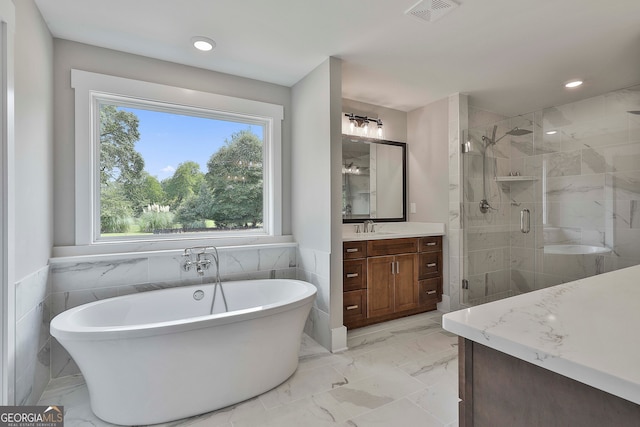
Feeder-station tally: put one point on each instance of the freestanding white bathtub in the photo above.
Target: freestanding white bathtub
(159, 356)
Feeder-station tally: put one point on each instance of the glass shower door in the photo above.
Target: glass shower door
(501, 224)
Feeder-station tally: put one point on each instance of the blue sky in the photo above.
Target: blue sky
(166, 139)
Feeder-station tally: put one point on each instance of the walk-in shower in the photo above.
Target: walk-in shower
(551, 196)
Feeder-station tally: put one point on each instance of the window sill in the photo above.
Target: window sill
(162, 246)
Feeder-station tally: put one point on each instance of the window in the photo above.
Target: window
(157, 163)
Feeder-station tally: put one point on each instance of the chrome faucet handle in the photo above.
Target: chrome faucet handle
(373, 227)
(187, 263)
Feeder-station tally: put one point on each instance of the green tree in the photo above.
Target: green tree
(119, 161)
(116, 210)
(195, 210)
(184, 183)
(235, 177)
(121, 168)
(151, 191)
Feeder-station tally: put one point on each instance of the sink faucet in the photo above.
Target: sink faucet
(368, 223)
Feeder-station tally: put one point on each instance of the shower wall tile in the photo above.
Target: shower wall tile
(595, 133)
(574, 112)
(587, 214)
(487, 284)
(523, 258)
(487, 260)
(625, 244)
(616, 158)
(523, 281)
(499, 215)
(573, 267)
(575, 188)
(479, 238)
(562, 235)
(623, 185)
(479, 117)
(562, 164)
(593, 237)
(521, 146)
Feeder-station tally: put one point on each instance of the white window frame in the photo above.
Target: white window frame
(92, 88)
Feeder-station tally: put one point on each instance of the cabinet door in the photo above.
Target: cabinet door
(406, 285)
(380, 286)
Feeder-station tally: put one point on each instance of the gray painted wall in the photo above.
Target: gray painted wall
(70, 55)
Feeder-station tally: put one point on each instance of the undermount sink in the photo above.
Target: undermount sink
(575, 250)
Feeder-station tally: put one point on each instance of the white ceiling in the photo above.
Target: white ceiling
(510, 56)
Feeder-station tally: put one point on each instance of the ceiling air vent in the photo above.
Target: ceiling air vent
(431, 10)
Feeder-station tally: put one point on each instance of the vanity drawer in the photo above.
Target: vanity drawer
(354, 275)
(430, 244)
(354, 305)
(430, 291)
(354, 250)
(430, 265)
(392, 246)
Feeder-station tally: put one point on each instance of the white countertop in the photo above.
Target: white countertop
(393, 230)
(587, 330)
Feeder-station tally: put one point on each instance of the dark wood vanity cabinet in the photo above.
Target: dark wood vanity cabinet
(390, 278)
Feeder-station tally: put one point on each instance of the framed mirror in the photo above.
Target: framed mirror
(374, 180)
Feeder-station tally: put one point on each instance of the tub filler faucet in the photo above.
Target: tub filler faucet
(199, 258)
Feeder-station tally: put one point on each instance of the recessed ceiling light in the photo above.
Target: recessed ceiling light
(551, 132)
(203, 44)
(573, 83)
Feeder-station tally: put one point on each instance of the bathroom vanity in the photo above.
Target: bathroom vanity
(564, 355)
(387, 275)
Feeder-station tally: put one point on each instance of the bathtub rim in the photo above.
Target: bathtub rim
(62, 328)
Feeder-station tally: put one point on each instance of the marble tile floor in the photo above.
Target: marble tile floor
(399, 373)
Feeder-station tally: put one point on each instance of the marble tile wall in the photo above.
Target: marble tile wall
(591, 173)
(585, 191)
(32, 339)
(487, 236)
(453, 244)
(314, 267)
(79, 280)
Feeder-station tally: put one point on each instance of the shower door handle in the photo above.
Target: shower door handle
(525, 221)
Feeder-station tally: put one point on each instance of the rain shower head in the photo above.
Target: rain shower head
(516, 131)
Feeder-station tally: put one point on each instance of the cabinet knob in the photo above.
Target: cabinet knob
(353, 307)
(351, 250)
(351, 275)
(431, 264)
(431, 292)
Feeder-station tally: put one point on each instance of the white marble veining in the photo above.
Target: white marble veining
(394, 230)
(584, 330)
(402, 372)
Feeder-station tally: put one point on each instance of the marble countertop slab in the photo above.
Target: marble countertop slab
(587, 330)
(393, 230)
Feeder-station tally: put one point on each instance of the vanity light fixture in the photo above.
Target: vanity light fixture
(573, 83)
(362, 122)
(551, 132)
(203, 44)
